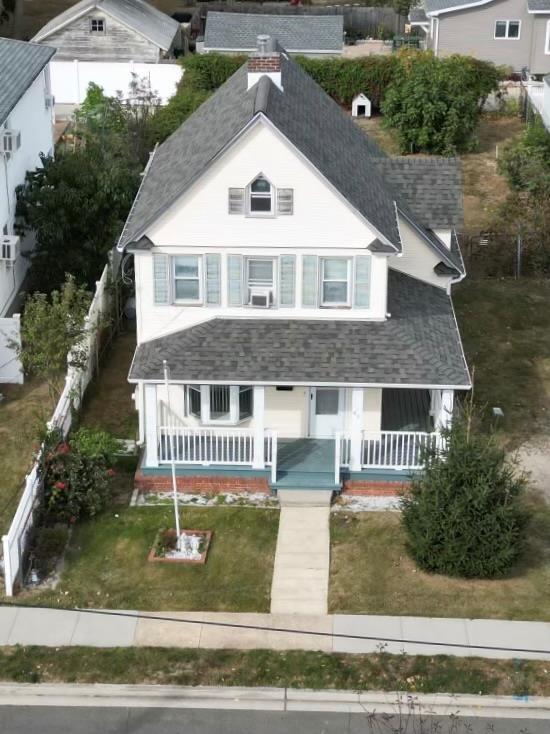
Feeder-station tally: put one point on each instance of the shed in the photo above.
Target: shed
(361, 106)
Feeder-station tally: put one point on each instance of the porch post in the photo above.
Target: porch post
(357, 394)
(259, 427)
(151, 430)
(442, 408)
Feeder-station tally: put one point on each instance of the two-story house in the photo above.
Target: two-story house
(511, 33)
(26, 130)
(296, 282)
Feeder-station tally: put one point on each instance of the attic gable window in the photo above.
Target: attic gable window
(97, 25)
(260, 196)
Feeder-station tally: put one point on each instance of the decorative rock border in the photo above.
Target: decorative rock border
(206, 534)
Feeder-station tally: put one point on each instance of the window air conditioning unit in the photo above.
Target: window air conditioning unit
(10, 141)
(9, 249)
(260, 297)
(49, 101)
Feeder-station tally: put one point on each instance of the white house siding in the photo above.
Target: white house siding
(472, 31)
(199, 222)
(35, 124)
(118, 43)
(417, 259)
(540, 60)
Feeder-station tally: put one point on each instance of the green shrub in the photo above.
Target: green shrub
(207, 72)
(48, 546)
(167, 119)
(94, 443)
(464, 516)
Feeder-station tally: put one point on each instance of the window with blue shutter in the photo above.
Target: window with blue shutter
(287, 280)
(235, 280)
(309, 280)
(161, 284)
(361, 297)
(213, 280)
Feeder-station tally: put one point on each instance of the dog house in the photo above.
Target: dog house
(361, 106)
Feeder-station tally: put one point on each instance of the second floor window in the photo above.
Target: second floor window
(260, 196)
(507, 29)
(259, 272)
(335, 281)
(187, 279)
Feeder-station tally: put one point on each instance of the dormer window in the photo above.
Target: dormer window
(97, 25)
(260, 196)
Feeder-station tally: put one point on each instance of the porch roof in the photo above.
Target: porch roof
(418, 345)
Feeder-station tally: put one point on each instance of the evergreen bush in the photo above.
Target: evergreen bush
(464, 515)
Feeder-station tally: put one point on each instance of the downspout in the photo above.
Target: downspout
(436, 51)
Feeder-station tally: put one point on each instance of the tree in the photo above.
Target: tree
(52, 334)
(76, 204)
(464, 515)
(434, 104)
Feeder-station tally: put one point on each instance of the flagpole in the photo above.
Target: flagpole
(172, 453)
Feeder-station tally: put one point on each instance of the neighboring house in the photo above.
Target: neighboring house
(26, 130)
(112, 30)
(539, 96)
(297, 283)
(309, 35)
(107, 42)
(514, 33)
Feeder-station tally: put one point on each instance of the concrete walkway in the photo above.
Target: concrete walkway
(302, 560)
(326, 633)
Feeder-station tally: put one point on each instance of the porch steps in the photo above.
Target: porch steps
(299, 497)
(302, 557)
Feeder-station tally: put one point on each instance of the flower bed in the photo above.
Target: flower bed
(165, 548)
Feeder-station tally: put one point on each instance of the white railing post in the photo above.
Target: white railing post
(273, 457)
(259, 427)
(357, 394)
(337, 453)
(8, 574)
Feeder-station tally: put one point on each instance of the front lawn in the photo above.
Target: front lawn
(505, 327)
(371, 573)
(106, 565)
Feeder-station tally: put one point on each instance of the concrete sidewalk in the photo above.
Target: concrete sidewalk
(327, 633)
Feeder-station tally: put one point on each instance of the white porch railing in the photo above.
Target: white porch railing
(396, 449)
(210, 446)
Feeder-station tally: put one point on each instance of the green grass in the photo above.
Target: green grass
(371, 573)
(23, 411)
(271, 668)
(505, 327)
(108, 404)
(107, 566)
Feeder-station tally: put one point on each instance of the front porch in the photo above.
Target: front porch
(383, 437)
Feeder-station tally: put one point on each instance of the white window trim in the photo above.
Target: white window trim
(101, 20)
(234, 406)
(273, 198)
(333, 304)
(507, 37)
(188, 302)
(547, 39)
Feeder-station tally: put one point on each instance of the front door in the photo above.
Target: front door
(327, 412)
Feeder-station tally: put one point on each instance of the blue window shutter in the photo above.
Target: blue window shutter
(213, 280)
(361, 297)
(235, 280)
(309, 280)
(287, 280)
(161, 285)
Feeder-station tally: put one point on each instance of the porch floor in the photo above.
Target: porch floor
(305, 463)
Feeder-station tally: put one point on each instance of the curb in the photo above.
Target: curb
(271, 699)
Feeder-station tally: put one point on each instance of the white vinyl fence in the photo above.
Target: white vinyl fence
(15, 542)
(70, 79)
(10, 366)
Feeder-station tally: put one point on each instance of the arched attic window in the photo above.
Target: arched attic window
(261, 196)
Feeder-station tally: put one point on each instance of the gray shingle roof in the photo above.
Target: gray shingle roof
(418, 345)
(436, 6)
(239, 31)
(432, 188)
(328, 139)
(20, 64)
(417, 15)
(137, 14)
(538, 5)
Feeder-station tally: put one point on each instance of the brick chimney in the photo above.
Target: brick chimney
(265, 61)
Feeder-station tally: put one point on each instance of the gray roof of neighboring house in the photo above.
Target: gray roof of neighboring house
(20, 64)
(417, 15)
(418, 345)
(538, 5)
(239, 31)
(437, 6)
(137, 14)
(329, 139)
(432, 187)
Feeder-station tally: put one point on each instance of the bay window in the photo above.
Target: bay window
(335, 281)
(221, 404)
